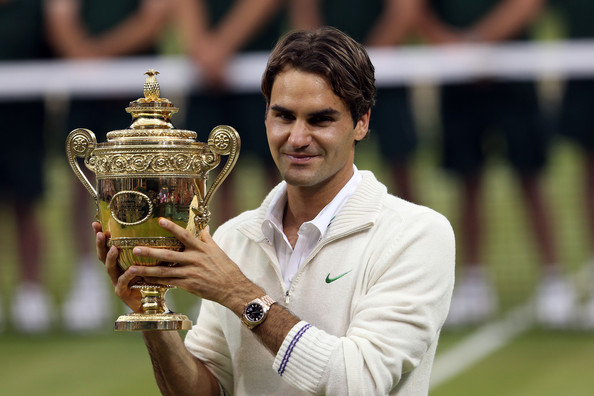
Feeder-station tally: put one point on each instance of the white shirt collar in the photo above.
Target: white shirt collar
(274, 214)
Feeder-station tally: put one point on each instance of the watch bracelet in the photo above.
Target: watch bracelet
(266, 299)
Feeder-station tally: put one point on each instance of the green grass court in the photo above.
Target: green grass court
(537, 362)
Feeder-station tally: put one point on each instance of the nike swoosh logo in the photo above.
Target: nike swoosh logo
(330, 280)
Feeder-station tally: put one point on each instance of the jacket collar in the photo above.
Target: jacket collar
(360, 211)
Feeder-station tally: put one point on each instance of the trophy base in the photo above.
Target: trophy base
(162, 321)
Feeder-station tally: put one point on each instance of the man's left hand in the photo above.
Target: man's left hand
(203, 269)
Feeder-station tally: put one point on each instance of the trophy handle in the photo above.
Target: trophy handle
(81, 143)
(223, 140)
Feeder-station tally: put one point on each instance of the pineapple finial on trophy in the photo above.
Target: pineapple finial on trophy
(151, 112)
(151, 85)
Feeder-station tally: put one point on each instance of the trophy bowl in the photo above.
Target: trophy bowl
(148, 171)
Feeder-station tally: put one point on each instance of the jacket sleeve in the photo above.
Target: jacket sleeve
(207, 342)
(396, 317)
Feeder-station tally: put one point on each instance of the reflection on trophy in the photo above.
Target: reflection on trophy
(148, 171)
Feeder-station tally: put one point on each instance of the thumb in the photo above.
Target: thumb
(205, 234)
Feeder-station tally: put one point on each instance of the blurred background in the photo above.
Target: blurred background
(485, 112)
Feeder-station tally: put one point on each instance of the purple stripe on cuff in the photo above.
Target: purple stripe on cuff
(294, 341)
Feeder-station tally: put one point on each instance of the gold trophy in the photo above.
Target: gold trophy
(148, 171)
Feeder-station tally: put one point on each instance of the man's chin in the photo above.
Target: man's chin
(296, 182)
(299, 179)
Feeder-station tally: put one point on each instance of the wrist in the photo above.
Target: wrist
(240, 296)
(256, 311)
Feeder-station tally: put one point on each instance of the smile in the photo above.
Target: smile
(299, 158)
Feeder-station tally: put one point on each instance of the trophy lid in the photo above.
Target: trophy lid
(151, 116)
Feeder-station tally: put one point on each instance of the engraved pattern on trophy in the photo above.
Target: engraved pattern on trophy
(148, 171)
(193, 161)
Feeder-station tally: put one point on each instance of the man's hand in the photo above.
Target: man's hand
(120, 279)
(177, 371)
(202, 269)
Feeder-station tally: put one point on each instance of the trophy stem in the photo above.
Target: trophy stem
(155, 314)
(153, 300)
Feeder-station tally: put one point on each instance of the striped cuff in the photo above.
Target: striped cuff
(304, 355)
(290, 348)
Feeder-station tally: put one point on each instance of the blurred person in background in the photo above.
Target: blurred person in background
(576, 118)
(470, 112)
(381, 24)
(97, 29)
(213, 32)
(21, 164)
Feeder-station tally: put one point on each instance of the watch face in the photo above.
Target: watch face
(254, 312)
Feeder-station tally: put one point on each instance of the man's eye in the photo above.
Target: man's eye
(285, 116)
(321, 120)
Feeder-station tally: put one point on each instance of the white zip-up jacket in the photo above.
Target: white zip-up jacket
(372, 297)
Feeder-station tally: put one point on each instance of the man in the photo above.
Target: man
(361, 279)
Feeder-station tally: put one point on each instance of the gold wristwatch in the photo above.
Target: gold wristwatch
(256, 310)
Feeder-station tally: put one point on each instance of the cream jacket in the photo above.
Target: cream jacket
(372, 298)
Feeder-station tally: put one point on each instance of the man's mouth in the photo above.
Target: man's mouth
(299, 158)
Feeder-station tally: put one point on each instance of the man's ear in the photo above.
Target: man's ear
(362, 126)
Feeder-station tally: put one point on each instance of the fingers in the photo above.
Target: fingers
(162, 255)
(123, 284)
(157, 274)
(101, 246)
(184, 236)
(111, 264)
(205, 235)
(96, 226)
(122, 281)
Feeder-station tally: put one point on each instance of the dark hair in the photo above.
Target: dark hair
(328, 52)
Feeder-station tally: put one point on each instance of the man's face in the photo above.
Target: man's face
(310, 131)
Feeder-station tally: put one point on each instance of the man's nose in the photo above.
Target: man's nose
(299, 135)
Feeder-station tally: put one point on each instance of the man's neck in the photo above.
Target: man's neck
(303, 205)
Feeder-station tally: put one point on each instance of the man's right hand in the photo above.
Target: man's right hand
(120, 279)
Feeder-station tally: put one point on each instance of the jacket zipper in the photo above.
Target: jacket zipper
(288, 292)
